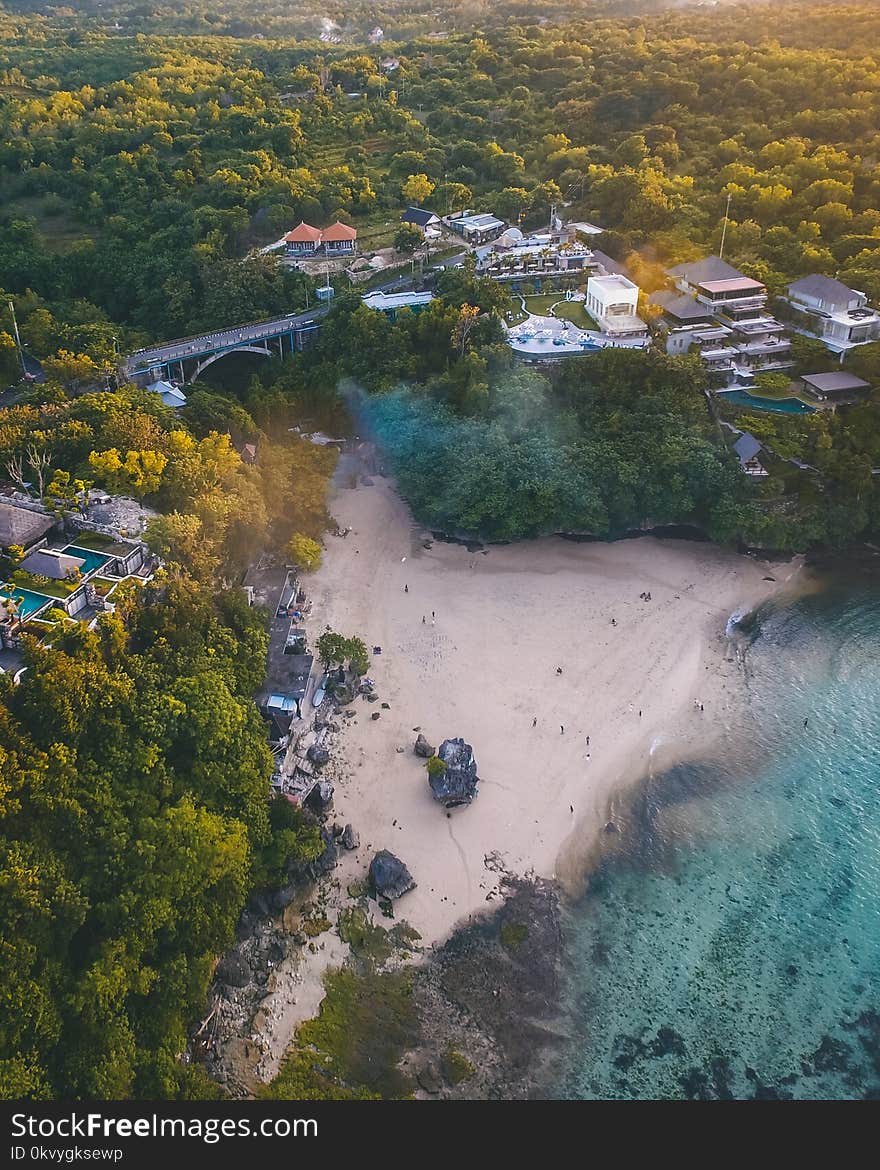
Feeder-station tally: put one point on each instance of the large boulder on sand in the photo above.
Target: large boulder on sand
(457, 783)
(423, 748)
(389, 877)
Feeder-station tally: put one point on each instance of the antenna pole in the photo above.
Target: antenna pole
(724, 228)
(17, 337)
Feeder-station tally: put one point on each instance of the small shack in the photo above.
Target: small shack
(747, 449)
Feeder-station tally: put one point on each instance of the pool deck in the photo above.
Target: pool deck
(554, 337)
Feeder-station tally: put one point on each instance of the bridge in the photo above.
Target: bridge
(186, 358)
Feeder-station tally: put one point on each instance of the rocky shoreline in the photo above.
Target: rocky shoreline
(487, 1003)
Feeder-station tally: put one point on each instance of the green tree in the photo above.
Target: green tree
(303, 552)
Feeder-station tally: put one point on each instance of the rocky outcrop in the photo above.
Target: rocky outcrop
(234, 971)
(389, 877)
(328, 860)
(319, 756)
(455, 784)
(350, 838)
(423, 748)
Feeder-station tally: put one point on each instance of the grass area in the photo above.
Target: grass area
(366, 1022)
(575, 312)
(49, 588)
(104, 586)
(539, 304)
(97, 542)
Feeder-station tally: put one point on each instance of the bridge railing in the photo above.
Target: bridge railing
(290, 320)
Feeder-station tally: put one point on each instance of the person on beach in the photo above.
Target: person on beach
(614, 621)
(806, 721)
(535, 721)
(571, 806)
(701, 708)
(588, 741)
(423, 619)
(559, 670)
(406, 588)
(561, 729)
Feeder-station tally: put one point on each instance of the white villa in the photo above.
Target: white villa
(613, 301)
(833, 312)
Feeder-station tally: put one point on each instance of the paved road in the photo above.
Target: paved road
(205, 343)
(189, 347)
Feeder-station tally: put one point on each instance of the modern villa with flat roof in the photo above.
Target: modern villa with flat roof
(839, 388)
(719, 313)
(392, 303)
(833, 312)
(475, 227)
(613, 301)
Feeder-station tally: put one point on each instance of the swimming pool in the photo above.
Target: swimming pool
(781, 405)
(30, 602)
(93, 560)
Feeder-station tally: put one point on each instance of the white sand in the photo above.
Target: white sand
(485, 667)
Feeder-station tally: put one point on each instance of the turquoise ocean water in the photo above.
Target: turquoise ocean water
(732, 949)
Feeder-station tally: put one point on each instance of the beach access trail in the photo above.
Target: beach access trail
(498, 623)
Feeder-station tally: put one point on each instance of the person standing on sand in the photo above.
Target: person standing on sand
(806, 721)
(561, 729)
(406, 588)
(423, 619)
(535, 721)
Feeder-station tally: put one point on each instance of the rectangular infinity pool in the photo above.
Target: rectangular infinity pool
(30, 602)
(781, 405)
(93, 560)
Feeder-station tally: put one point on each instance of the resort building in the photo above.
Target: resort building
(391, 303)
(474, 227)
(832, 390)
(720, 314)
(305, 241)
(78, 577)
(833, 312)
(612, 301)
(514, 256)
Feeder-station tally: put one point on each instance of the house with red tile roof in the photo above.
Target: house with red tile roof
(337, 240)
(304, 240)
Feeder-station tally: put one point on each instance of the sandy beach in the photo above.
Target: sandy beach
(471, 643)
